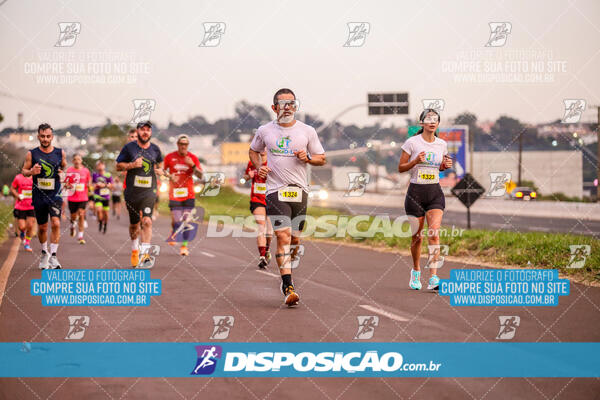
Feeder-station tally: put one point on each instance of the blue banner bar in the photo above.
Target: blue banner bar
(367, 359)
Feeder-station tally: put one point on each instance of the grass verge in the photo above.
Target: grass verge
(518, 249)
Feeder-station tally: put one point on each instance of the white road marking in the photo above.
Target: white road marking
(268, 273)
(383, 312)
(367, 307)
(208, 254)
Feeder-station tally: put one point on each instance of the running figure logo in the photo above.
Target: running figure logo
(77, 326)
(186, 225)
(434, 104)
(68, 33)
(296, 251)
(213, 31)
(223, 325)
(357, 184)
(508, 327)
(153, 251)
(436, 255)
(357, 33)
(207, 359)
(499, 32)
(212, 183)
(579, 254)
(498, 183)
(574, 108)
(366, 326)
(142, 110)
(70, 179)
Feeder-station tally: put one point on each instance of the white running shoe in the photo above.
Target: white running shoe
(53, 262)
(44, 261)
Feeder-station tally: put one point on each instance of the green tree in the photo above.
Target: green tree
(505, 133)
(111, 137)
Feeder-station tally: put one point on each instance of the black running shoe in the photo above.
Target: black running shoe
(291, 297)
(262, 264)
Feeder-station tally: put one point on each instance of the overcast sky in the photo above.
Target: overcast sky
(425, 48)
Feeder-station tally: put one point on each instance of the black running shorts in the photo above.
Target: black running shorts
(51, 208)
(422, 198)
(23, 214)
(74, 206)
(139, 205)
(284, 214)
(254, 205)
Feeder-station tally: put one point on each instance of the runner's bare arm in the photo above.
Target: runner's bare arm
(14, 192)
(404, 164)
(63, 162)
(317, 159)
(29, 169)
(255, 158)
(158, 168)
(125, 166)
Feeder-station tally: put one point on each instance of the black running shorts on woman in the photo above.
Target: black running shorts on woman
(422, 198)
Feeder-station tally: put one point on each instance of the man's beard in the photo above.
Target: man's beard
(285, 119)
(44, 146)
(144, 141)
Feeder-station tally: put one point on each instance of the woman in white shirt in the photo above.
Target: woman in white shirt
(425, 155)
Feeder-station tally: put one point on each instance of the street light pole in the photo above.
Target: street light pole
(520, 154)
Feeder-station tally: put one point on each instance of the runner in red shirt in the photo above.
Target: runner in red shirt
(258, 207)
(21, 190)
(180, 166)
(79, 177)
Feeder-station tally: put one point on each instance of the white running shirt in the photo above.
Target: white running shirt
(434, 155)
(280, 143)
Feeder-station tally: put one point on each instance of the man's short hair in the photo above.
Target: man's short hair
(282, 91)
(131, 130)
(44, 126)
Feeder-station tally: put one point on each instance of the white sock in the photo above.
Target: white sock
(135, 244)
(80, 235)
(45, 247)
(144, 247)
(53, 248)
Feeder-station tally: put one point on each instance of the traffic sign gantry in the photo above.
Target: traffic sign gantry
(387, 103)
(468, 190)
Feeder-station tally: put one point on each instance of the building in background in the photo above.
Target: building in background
(234, 153)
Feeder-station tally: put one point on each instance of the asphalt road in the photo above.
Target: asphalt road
(336, 283)
(513, 223)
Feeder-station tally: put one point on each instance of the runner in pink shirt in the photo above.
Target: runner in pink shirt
(80, 178)
(21, 190)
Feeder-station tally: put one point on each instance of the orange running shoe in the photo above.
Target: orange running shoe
(135, 258)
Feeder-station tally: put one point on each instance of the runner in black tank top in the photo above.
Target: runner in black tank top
(45, 163)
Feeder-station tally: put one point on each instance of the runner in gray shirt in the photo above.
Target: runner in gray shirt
(290, 145)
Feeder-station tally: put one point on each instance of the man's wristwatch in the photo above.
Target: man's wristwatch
(308, 156)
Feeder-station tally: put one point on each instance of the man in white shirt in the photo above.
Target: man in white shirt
(290, 145)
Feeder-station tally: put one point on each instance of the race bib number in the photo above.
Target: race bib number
(26, 194)
(143, 181)
(260, 188)
(46, 183)
(290, 194)
(104, 192)
(80, 187)
(428, 175)
(180, 192)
